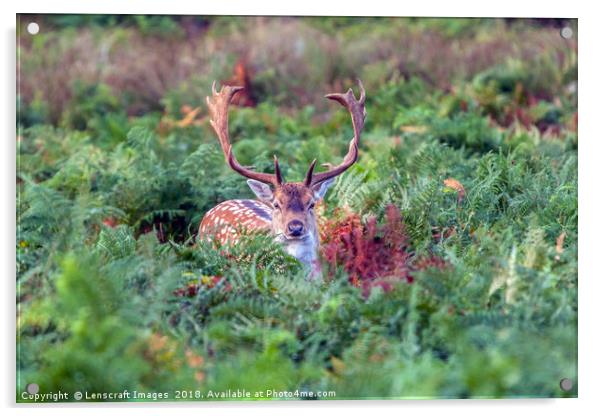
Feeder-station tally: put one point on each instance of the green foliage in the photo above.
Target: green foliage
(116, 242)
(114, 292)
(101, 347)
(89, 102)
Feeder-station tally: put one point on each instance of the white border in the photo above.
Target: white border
(507, 8)
(590, 175)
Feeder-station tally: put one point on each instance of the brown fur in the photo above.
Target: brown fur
(226, 221)
(294, 201)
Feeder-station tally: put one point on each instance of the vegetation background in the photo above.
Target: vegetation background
(449, 249)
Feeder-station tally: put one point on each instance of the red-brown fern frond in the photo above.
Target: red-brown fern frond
(372, 255)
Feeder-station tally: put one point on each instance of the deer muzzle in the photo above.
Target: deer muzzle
(295, 228)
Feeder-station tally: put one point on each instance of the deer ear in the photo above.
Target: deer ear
(321, 188)
(261, 190)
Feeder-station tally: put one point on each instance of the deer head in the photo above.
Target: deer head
(292, 203)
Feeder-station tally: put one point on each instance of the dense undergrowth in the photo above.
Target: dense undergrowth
(449, 249)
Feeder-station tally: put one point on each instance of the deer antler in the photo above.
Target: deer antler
(358, 115)
(218, 105)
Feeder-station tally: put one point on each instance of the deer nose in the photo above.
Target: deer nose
(295, 228)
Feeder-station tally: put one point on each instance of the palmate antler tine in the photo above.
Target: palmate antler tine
(218, 105)
(358, 115)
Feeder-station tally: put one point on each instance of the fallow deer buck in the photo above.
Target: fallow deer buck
(286, 210)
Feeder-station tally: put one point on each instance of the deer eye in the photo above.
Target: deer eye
(312, 205)
(276, 205)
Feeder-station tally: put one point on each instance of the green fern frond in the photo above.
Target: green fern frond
(118, 242)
